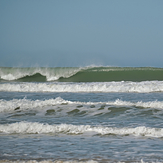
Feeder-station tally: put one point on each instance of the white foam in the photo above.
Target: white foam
(68, 161)
(40, 128)
(47, 161)
(28, 104)
(50, 73)
(23, 104)
(150, 104)
(140, 87)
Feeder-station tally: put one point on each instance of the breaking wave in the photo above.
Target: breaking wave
(80, 74)
(36, 74)
(88, 107)
(40, 128)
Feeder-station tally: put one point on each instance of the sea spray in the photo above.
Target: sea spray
(80, 74)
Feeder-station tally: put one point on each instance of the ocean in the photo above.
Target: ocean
(81, 114)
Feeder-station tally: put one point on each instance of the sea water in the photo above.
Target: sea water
(81, 114)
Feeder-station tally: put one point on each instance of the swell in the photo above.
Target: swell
(107, 74)
(41, 128)
(81, 74)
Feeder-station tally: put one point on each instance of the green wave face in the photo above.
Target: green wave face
(105, 74)
(87, 74)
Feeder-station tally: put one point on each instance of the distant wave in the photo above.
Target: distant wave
(87, 108)
(40, 128)
(81, 74)
(138, 87)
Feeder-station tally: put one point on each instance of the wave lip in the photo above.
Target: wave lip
(37, 73)
(40, 128)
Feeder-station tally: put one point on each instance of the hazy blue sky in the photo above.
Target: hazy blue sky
(81, 32)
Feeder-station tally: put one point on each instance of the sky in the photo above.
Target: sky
(68, 33)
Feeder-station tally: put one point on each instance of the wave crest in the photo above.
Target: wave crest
(139, 87)
(81, 74)
(40, 128)
(99, 107)
(27, 74)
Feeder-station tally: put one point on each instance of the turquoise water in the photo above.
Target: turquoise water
(104, 121)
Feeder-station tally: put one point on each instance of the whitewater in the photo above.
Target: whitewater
(140, 87)
(38, 128)
(81, 114)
